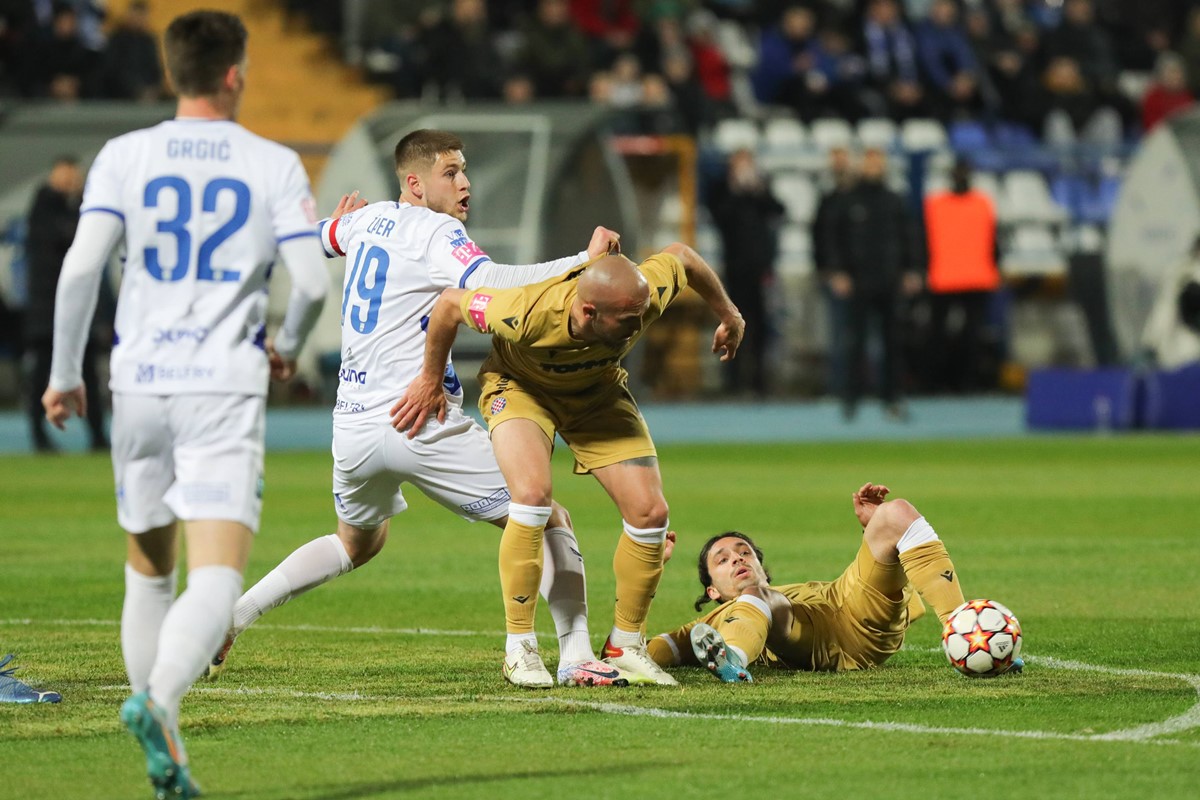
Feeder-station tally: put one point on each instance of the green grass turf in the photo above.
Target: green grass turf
(1092, 542)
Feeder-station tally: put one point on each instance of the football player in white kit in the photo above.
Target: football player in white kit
(204, 208)
(400, 255)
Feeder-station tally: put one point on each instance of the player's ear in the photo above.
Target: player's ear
(235, 77)
(412, 182)
(713, 594)
(589, 310)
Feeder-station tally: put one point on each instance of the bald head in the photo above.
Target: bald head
(611, 299)
(613, 282)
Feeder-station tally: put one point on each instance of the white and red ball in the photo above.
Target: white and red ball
(981, 638)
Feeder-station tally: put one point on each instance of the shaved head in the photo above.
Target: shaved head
(613, 282)
(611, 299)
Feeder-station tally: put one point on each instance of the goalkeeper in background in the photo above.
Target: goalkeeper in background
(857, 621)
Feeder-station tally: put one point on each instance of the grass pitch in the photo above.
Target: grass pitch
(387, 682)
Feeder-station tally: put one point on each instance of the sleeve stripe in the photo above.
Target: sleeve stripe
(299, 235)
(758, 603)
(106, 210)
(462, 282)
(332, 235)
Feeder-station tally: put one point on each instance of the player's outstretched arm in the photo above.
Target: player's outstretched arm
(74, 305)
(701, 277)
(425, 396)
(510, 276)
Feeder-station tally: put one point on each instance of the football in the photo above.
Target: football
(982, 638)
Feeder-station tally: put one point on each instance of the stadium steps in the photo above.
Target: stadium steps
(298, 90)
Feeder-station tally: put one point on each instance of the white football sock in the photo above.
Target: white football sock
(918, 533)
(192, 632)
(565, 589)
(148, 598)
(306, 568)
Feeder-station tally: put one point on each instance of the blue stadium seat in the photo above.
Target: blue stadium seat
(969, 136)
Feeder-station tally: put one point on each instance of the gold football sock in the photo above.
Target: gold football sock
(638, 567)
(932, 572)
(520, 573)
(744, 625)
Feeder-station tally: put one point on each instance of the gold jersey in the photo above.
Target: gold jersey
(531, 339)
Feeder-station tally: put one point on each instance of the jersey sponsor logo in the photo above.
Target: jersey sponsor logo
(348, 375)
(152, 373)
(498, 405)
(349, 408)
(478, 309)
(175, 335)
(562, 369)
(463, 249)
(482, 506)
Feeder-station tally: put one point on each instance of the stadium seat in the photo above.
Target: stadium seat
(830, 133)
(735, 134)
(1033, 250)
(969, 137)
(671, 210)
(784, 133)
(798, 195)
(1028, 199)
(877, 132)
(922, 134)
(734, 43)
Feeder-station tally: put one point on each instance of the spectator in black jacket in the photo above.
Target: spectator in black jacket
(747, 216)
(131, 67)
(52, 220)
(841, 178)
(872, 260)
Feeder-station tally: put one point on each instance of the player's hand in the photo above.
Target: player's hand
(603, 242)
(424, 397)
(349, 203)
(728, 337)
(668, 546)
(282, 369)
(867, 500)
(61, 405)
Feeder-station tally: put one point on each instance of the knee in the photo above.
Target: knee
(889, 523)
(531, 494)
(654, 513)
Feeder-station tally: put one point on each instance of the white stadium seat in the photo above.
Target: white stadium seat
(798, 195)
(735, 134)
(830, 133)
(784, 133)
(1033, 250)
(1027, 198)
(877, 132)
(922, 134)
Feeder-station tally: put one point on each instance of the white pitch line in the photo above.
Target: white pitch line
(268, 692)
(898, 727)
(373, 629)
(1188, 720)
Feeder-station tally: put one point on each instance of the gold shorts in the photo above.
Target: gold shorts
(861, 627)
(601, 426)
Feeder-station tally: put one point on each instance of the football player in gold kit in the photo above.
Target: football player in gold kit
(854, 622)
(555, 366)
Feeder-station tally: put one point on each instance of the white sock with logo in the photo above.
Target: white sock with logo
(306, 568)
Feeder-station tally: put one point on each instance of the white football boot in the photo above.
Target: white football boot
(636, 664)
(525, 669)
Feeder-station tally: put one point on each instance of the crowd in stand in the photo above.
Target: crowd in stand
(67, 51)
(1054, 66)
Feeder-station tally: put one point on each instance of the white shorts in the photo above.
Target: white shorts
(187, 456)
(452, 463)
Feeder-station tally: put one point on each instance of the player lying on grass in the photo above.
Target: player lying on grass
(857, 621)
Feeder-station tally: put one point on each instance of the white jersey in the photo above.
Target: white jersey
(399, 258)
(205, 205)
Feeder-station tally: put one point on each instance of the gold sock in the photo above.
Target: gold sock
(745, 627)
(638, 568)
(932, 572)
(520, 574)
